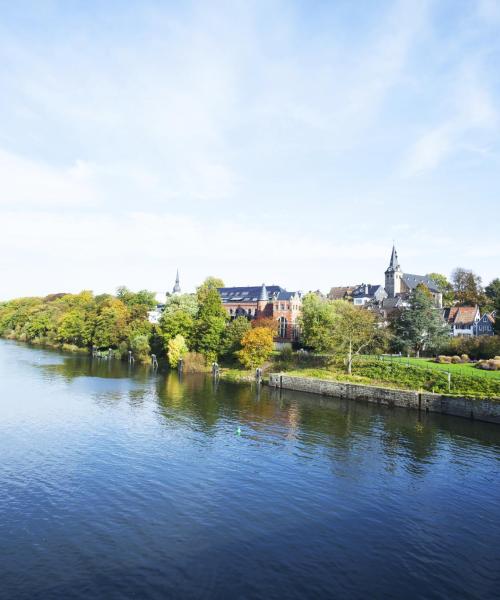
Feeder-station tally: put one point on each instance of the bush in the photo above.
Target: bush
(465, 358)
(456, 360)
(177, 348)
(493, 364)
(477, 348)
(194, 362)
(443, 359)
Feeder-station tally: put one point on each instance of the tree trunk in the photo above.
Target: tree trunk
(349, 360)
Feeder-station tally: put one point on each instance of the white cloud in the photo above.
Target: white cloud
(27, 183)
(470, 110)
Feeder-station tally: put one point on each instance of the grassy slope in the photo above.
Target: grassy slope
(458, 369)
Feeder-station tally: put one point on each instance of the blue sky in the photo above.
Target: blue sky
(284, 142)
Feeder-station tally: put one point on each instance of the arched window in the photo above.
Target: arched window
(282, 327)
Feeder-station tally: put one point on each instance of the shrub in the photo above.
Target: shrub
(140, 348)
(194, 362)
(456, 360)
(493, 364)
(482, 347)
(443, 359)
(465, 358)
(177, 348)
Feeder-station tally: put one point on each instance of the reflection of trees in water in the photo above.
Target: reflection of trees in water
(345, 428)
(87, 366)
(312, 423)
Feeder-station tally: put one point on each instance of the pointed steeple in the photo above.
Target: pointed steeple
(177, 286)
(263, 293)
(394, 264)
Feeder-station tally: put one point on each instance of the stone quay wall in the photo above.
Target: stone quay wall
(471, 408)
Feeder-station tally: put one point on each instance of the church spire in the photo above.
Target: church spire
(394, 264)
(177, 286)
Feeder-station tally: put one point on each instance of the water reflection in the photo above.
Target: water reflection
(130, 483)
(293, 416)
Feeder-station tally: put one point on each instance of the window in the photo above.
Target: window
(282, 327)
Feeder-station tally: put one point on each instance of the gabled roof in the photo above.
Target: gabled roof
(413, 280)
(461, 315)
(247, 294)
(488, 317)
(283, 295)
(339, 293)
(394, 302)
(365, 291)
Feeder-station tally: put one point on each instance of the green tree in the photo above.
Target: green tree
(186, 302)
(316, 322)
(444, 287)
(256, 347)
(467, 287)
(210, 323)
(492, 291)
(110, 324)
(74, 328)
(210, 283)
(175, 323)
(353, 331)
(233, 335)
(421, 326)
(140, 348)
(177, 348)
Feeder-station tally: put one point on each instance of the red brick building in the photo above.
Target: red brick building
(270, 302)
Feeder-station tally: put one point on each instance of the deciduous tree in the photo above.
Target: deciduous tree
(256, 347)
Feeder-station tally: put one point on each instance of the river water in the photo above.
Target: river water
(121, 483)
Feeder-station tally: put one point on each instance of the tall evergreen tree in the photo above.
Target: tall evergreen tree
(421, 326)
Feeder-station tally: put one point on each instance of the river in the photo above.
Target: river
(116, 482)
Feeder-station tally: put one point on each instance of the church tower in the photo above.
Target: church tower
(177, 287)
(393, 276)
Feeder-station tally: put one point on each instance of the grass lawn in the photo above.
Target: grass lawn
(459, 369)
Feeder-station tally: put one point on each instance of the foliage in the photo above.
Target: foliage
(256, 347)
(179, 322)
(268, 322)
(467, 287)
(188, 303)
(492, 291)
(478, 348)
(210, 323)
(419, 327)
(79, 320)
(233, 334)
(444, 287)
(354, 330)
(316, 322)
(194, 362)
(177, 348)
(210, 284)
(140, 348)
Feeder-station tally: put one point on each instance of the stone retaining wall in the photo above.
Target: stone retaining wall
(470, 408)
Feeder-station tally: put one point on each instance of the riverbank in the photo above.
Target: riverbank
(481, 409)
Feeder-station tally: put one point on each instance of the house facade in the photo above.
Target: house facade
(272, 302)
(486, 324)
(463, 320)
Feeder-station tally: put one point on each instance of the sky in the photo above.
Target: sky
(285, 142)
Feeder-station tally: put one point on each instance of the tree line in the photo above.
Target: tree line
(190, 323)
(466, 289)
